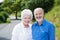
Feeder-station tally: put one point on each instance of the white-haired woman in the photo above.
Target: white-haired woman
(22, 31)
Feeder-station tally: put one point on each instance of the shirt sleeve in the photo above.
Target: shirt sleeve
(51, 33)
(15, 34)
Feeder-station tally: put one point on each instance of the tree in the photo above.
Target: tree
(32, 4)
(11, 6)
(47, 5)
(17, 5)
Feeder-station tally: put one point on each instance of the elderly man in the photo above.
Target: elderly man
(42, 29)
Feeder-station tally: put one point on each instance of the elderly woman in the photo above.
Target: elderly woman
(22, 31)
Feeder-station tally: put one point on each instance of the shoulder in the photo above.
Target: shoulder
(49, 24)
(16, 28)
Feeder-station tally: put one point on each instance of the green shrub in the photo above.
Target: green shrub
(3, 17)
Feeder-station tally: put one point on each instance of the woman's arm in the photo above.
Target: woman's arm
(15, 33)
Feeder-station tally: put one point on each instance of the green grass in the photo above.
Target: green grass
(58, 33)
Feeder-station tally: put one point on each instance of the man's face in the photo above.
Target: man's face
(38, 15)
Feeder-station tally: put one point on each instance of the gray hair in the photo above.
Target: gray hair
(26, 12)
(39, 9)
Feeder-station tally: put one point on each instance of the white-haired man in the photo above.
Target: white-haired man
(22, 31)
(42, 29)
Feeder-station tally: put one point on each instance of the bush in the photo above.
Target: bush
(3, 17)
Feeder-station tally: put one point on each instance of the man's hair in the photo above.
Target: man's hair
(39, 9)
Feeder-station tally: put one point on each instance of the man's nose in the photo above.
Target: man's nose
(38, 15)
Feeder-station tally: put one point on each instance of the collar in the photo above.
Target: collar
(43, 22)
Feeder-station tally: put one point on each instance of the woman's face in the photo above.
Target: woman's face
(26, 19)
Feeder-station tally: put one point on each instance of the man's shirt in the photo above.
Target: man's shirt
(45, 31)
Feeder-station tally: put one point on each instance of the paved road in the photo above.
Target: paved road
(6, 29)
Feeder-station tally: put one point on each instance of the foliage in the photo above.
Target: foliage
(32, 4)
(57, 2)
(54, 16)
(11, 6)
(47, 5)
(3, 17)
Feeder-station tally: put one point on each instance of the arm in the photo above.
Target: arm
(51, 32)
(14, 37)
(15, 34)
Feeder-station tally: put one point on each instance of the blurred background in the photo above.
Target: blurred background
(10, 12)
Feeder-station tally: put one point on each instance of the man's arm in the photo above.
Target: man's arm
(51, 32)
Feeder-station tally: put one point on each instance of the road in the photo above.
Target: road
(6, 29)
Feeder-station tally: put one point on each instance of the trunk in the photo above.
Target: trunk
(16, 15)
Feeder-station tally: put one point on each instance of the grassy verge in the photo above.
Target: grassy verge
(58, 33)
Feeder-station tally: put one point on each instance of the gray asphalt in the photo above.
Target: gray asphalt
(6, 29)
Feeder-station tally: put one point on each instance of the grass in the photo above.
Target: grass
(58, 33)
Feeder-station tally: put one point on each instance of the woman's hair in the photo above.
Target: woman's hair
(26, 12)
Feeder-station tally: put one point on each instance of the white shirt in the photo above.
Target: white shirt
(21, 33)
